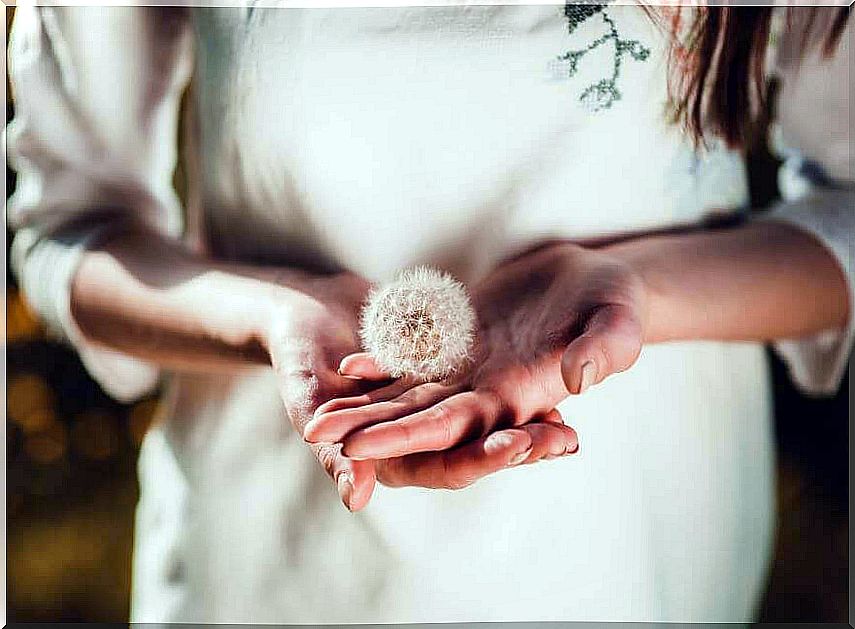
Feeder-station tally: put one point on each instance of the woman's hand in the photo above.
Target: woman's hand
(459, 467)
(565, 317)
(312, 325)
(150, 297)
(553, 321)
(310, 335)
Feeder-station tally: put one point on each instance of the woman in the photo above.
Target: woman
(525, 149)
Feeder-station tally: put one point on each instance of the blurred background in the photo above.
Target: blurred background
(72, 488)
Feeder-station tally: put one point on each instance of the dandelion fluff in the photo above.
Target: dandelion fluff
(421, 324)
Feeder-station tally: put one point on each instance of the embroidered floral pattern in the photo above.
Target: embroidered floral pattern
(603, 93)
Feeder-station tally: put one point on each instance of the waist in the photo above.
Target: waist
(215, 420)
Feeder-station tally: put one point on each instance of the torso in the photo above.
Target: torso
(445, 134)
(373, 139)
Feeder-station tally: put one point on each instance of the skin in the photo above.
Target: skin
(565, 317)
(151, 297)
(554, 321)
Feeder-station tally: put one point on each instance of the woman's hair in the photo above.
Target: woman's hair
(717, 65)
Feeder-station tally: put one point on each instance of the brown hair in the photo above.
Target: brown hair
(717, 67)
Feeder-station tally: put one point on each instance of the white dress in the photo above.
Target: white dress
(374, 139)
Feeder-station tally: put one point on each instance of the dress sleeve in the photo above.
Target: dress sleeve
(813, 134)
(96, 93)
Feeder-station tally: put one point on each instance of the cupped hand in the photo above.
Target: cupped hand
(460, 466)
(551, 322)
(313, 324)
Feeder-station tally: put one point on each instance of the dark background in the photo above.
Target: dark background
(72, 488)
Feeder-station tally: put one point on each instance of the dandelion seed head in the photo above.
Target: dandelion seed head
(421, 324)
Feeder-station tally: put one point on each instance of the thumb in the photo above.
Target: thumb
(610, 344)
(361, 365)
(354, 480)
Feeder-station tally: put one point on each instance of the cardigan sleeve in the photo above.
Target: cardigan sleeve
(96, 92)
(813, 134)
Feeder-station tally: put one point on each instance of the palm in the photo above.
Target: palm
(306, 344)
(543, 317)
(532, 309)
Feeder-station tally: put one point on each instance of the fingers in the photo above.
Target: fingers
(462, 466)
(458, 468)
(354, 480)
(324, 421)
(361, 365)
(365, 397)
(442, 426)
(553, 417)
(611, 343)
(338, 418)
(549, 440)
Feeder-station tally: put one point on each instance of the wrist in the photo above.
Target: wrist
(655, 313)
(265, 306)
(292, 303)
(240, 308)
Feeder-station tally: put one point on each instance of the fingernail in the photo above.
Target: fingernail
(589, 375)
(345, 488)
(572, 448)
(522, 456)
(348, 376)
(497, 442)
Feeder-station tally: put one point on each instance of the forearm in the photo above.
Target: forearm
(150, 297)
(759, 282)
